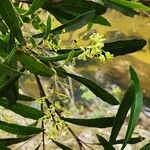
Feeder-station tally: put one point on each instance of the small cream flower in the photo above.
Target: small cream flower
(109, 56)
(94, 49)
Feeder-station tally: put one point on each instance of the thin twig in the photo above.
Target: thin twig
(76, 138)
(41, 95)
(86, 145)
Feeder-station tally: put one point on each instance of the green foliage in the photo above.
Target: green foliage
(9, 15)
(11, 141)
(40, 53)
(22, 110)
(97, 122)
(61, 145)
(19, 129)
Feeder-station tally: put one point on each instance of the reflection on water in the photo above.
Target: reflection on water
(122, 27)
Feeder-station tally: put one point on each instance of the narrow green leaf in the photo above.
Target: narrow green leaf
(48, 28)
(23, 110)
(121, 8)
(132, 5)
(60, 57)
(34, 65)
(4, 79)
(36, 4)
(63, 147)
(96, 89)
(3, 45)
(33, 124)
(19, 129)
(101, 20)
(124, 107)
(120, 47)
(22, 97)
(146, 147)
(98, 122)
(6, 70)
(10, 57)
(105, 143)
(9, 14)
(3, 27)
(11, 141)
(72, 25)
(34, 44)
(60, 71)
(69, 9)
(3, 147)
(136, 107)
(69, 58)
(5, 85)
(76, 23)
(131, 141)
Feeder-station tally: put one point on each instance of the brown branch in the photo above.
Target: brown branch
(42, 94)
(76, 138)
(42, 109)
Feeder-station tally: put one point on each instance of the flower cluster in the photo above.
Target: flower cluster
(53, 120)
(94, 49)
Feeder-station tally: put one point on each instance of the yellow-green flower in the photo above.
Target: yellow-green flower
(94, 49)
(109, 56)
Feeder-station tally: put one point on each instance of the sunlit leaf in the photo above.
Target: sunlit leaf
(131, 4)
(121, 8)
